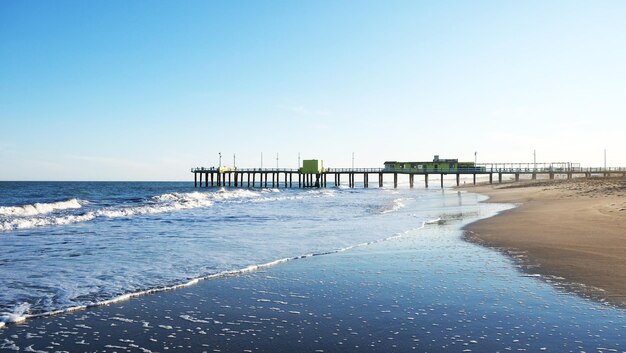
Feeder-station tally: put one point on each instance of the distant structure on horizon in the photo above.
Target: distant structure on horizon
(314, 174)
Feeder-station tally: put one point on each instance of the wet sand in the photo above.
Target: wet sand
(573, 229)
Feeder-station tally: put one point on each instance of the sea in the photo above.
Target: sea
(68, 247)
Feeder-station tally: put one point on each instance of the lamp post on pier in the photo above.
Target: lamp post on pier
(220, 154)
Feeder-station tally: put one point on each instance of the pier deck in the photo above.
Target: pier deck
(289, 178)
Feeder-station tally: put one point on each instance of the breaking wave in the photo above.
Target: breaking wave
(39, 208)
(51, 214)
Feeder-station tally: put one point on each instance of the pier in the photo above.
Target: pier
(334, 177)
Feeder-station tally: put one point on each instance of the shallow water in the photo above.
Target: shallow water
(405, 281)
(73, 244)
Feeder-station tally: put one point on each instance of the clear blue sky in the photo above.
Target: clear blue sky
(144, 90)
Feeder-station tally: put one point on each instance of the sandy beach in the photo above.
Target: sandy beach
(573, 229)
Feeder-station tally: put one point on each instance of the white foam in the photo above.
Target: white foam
(32, 222)
(433, 221)
(18, 314)
(38, 208)
(396, 205)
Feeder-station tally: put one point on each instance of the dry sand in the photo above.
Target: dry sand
(574, 229)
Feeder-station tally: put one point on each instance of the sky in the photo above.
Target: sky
(146, 90)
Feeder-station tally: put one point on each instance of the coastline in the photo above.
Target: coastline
(573, 231)
(423, 289)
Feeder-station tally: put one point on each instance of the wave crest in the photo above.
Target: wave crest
(39, 208)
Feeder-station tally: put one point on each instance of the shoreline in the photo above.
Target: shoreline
(424, 290)
(571, 231)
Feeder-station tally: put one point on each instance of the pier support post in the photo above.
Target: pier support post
(200, 175)
(458, 179)
(516, 176)
(195, 180)
(236, 179)
(229, 177)
(534, 177)
(474, 178)
(365, 180)
(206, 179)
(411, 177)
(551, 176)
(380, 180)
(212, 179)
(499, 178)
(490, 178)
(441, 178)
(426, 181)
(395, 180)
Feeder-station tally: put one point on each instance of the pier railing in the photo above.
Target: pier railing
(353, 170)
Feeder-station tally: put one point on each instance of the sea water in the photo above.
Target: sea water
(70, 245)
(73, 244)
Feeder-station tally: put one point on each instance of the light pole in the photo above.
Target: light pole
(475, 158)
(234, 161)
(220, 159)
(276, 160)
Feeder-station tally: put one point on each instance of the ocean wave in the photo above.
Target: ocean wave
(20, 312)
(157, 204)
(32, 222)
(39, 208)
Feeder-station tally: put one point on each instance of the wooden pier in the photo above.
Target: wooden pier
(290, 178)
